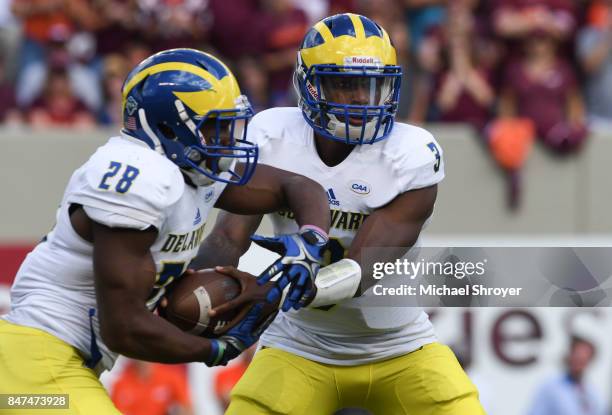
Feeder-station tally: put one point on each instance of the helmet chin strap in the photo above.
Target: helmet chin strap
(147, 129)
(182, 112)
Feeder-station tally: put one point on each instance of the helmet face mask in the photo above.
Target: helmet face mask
(354, 105)
(221, 144)
(186, 105)
(347, 80)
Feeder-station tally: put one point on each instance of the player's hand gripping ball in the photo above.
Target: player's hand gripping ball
(229, 308)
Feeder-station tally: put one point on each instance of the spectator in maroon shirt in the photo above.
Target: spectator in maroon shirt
(59, 107)
(542, 86)
(459, 57)
(464, 92)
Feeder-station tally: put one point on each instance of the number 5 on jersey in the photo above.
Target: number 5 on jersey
(123, 185)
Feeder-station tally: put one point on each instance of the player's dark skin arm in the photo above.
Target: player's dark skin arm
(270, 189)
(124, 274)
(394, 228)
(228, 241)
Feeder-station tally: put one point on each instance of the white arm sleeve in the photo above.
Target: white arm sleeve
(336, 282)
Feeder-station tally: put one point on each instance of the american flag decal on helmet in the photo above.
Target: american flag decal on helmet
(130, 123)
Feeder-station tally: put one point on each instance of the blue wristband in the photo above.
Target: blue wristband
(217, 349)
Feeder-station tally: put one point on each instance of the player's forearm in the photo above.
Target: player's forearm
(391, 232)
(145, 336)
(308, 201)
(228, 241)
(218, 249)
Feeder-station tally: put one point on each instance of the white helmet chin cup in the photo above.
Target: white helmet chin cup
(225, 163)
(338, 129)
(197, 178)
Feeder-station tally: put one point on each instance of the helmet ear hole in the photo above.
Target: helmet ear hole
(167, 131)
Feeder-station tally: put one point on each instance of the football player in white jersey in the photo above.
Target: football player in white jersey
(381, 178)
(131, 220)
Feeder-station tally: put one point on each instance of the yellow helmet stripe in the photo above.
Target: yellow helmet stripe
(324, 31)
(358, 25)
(170, 66)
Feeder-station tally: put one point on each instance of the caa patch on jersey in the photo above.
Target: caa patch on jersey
(360, 187)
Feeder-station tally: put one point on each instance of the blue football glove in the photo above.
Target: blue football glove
(301, 259)
(240, 337)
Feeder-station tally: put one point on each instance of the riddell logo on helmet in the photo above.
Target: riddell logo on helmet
(361, 60)
(312, 90)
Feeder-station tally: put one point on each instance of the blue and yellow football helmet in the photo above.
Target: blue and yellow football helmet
(187, 105)
(347, 79)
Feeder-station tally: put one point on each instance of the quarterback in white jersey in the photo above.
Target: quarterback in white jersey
(381, 180)
(402, 162)
(131, 220)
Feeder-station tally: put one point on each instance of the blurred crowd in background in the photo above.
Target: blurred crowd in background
(466, 61)
(514, 70)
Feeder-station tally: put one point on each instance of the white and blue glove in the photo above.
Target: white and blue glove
(301, 259)
(240, 337)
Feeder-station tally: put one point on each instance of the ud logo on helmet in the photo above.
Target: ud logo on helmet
(186, 105)
(131, 105)
(347, 79)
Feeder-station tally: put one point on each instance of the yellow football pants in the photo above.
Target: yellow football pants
(35, 362)
(428, 381)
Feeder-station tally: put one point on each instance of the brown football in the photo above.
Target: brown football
(192, 296)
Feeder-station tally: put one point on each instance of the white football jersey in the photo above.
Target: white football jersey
(124, 184)
(369, 178)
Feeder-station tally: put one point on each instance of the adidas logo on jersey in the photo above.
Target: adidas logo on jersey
(198, 218)
(332, 198)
